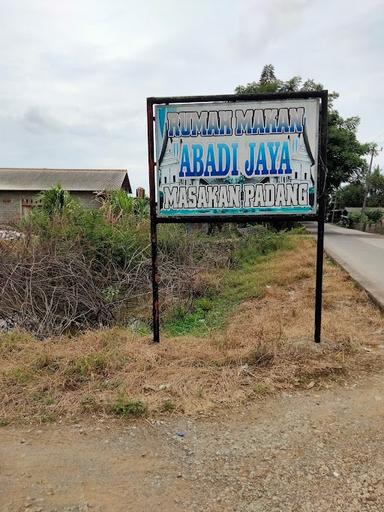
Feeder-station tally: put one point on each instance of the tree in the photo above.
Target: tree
(267, 83)
(374, 151)
(345, 154)
(350, 195)
(376, 188)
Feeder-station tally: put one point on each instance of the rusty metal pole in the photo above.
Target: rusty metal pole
(152, 198)
(321, 216)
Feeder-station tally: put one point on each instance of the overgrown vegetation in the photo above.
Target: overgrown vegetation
(241, 281)
(238, 309)
(78, 268)
(370, 217)
(74, 267)
(265, 345)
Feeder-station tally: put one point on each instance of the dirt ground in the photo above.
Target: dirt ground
(307, 451)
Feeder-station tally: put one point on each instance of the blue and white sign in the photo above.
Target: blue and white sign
(239, 158)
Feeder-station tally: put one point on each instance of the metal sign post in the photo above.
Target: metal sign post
(322, 199)
(175, 183)
(152, 195)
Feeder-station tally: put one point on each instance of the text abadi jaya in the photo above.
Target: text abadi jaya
(236, 196)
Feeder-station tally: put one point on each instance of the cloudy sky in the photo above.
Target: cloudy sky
(74, 74)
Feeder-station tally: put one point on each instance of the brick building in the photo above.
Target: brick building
(19, 187)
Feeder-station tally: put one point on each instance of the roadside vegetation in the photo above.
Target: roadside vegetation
(253, 339)
(370, 217)
(76, 268)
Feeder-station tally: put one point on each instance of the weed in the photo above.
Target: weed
(21, 376)
(81, 369)
(13, 341)
(245, 280)
(139, 327)
(264, 340)
(89, 404)
(167, 406)
(43, 397)
(48, 417)
(46, 363)
(123, 406)
(260, 356)
(107, 384)
(261, 389)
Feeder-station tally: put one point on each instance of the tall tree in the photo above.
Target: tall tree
(350, 195)
(376, 188)
(345, 153)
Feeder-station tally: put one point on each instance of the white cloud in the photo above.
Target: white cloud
(75, 75)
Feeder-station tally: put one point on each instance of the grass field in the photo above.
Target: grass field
(249, 337)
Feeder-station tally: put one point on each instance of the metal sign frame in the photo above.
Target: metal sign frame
(321, 196)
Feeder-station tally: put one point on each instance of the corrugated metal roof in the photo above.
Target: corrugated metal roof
(87, 180)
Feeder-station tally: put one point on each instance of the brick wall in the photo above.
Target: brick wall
(10, 207)
(87, 199)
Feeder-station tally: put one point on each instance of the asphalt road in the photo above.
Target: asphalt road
(360, 254)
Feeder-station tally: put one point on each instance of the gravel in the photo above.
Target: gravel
(312, 451)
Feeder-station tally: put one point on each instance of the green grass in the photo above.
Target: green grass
(126, 407)
(20, 376)
(167, 406)
(48, 417)
(83, 367)
(12, 341)
(246, 280)
(44, 398)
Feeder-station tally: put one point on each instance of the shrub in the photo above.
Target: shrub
(55, 201)
(369, 217)
(354, 218)
(77, 268)
(126, 407)
(374, 216)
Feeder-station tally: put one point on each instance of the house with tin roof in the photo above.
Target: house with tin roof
(19, 188)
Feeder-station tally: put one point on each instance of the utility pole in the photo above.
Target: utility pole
(334, 206)
(374, 152)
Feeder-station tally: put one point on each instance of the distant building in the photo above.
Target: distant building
(19, 187)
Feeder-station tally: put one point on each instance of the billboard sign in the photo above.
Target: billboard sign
(237, 158)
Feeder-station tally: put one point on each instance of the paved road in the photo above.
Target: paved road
(361, 254)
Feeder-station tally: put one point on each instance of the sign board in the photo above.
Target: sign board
(239, 158)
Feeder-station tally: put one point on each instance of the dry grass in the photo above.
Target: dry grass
(267, 346)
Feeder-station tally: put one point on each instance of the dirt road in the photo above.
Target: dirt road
(309, 451)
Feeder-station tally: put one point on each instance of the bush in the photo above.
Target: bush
(354, 218)
(55, 200)
(126, 407)
(369, 217)
(77, 268)
(374, 216)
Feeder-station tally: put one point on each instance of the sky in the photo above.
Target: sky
(75, 74)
